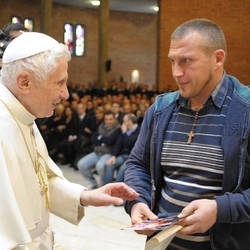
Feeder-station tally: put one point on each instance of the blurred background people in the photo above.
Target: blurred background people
(103, 141)
(121, 150)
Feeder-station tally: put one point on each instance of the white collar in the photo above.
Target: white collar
(18, 110)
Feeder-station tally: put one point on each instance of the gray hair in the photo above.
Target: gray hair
(40, 65)
(212, 34)
(132, 117)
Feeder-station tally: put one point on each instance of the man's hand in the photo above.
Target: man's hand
(139, 212)
(123, 128)
(201, 215)
(111, 160)
(112, 193)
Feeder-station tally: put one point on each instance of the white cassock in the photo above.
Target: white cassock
(24, 217)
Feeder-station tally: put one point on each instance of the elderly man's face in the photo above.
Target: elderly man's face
(53, 90)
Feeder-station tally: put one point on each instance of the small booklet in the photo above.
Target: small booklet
(165, 224)
(164, 221)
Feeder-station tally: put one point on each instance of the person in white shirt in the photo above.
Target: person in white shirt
(33, 81)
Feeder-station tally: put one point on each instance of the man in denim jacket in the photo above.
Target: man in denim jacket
(192, 154)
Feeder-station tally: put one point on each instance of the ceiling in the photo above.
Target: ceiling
(142, 6)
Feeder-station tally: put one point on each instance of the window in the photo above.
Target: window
(16, 19)
(74, 38)
(68, 36)
(80, 50)
(27, 22)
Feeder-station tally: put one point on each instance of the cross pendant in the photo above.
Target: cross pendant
(190, 137)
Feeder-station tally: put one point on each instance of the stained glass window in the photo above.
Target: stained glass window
(79, 45)
(68, 36)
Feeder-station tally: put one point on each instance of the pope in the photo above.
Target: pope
(33, 81)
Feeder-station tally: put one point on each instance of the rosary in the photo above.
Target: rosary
(191, 133)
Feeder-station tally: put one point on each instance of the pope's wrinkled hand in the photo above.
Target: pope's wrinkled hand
(112, 193)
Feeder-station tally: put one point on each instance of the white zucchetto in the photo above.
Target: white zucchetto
(28, 44)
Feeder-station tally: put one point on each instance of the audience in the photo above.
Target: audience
(116, 109)
(103, 141)
(121, 150)
(55, 129)
(77, 143)
(70, 139)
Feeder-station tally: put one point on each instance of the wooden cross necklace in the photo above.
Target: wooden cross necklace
(191, 133)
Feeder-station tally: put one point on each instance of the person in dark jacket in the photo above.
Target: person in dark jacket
(192, 156)
(103, 141)
(121, 150)
(78, 141)
(9, 32)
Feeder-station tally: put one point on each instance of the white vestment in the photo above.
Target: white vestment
(24, 218)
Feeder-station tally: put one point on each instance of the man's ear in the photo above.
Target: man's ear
(219, 58)
(23, 81)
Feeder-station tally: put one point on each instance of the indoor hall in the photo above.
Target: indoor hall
(125, 40)
(125, 48)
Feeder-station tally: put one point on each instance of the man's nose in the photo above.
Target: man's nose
(65, 93)
(177, 71)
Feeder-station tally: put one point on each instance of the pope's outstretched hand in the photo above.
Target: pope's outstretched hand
(112, 193)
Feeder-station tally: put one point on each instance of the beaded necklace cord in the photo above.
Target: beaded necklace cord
(191, 133)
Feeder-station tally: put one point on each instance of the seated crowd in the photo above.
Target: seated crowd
(95, 130)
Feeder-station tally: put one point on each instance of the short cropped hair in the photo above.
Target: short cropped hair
(212, 34)
(109, 112)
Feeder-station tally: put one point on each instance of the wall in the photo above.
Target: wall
(234, 18)
(132, 39)
(133, 45)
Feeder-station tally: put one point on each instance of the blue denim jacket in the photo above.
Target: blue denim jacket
(144, 174)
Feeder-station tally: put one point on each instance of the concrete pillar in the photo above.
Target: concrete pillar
(103, 43)
(46, 16)
(164, 75)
